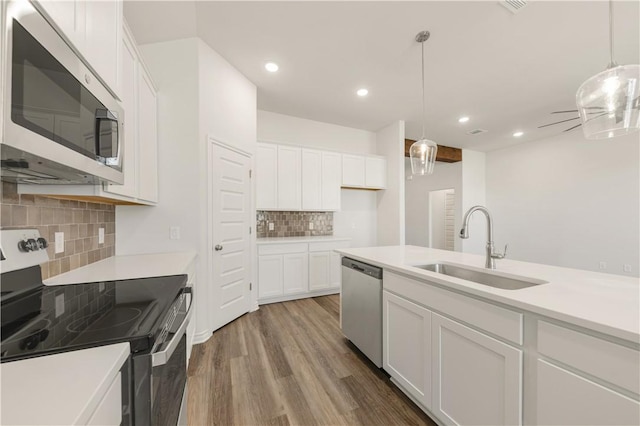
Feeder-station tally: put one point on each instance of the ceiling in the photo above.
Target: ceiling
(507, 72)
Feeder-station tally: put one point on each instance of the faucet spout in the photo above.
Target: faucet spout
(464, 233)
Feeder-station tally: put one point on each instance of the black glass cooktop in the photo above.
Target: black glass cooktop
(43, 320)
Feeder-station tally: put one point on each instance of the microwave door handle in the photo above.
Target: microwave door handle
(107, 115)
(161, 357)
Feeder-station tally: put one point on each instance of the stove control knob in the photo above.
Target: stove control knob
(42, 243)
(32, 244)
(23, 246)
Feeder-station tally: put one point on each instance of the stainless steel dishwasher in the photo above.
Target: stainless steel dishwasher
(362, 307)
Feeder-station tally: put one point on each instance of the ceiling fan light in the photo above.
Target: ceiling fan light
(609, 102)
(423, 157)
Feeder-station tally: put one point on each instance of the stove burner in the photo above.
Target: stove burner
(119, 316)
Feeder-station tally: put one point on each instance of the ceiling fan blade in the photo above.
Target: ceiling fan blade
(558, 122)
(571, 128)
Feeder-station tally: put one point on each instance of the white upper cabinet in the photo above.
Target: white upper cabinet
(267, 177)
(367, 172)
(289, 178)
(312, 179)
(148, 140)
(94, 29)
(331, 180)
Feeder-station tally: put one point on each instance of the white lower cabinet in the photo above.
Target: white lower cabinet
(109, 410)
(270, 276)
(406, 342)
(295, 273)
(476, 378)
(566, 398)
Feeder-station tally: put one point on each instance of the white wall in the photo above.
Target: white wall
(445, 176)
(357, 218)
(474, 194)
(568, 201)
(279, 128)
(391, 220)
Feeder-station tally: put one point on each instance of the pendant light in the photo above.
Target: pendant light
(423, 152)
(609, 102)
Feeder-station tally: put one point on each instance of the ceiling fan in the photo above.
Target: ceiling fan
(598, 111)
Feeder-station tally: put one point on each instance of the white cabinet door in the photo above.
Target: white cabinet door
(289, 178)
(312, 182)
(148, 139)
(375, 172)
(270, 276)
(331, 180)
(319, 270)
(565, 398)
(336, 270)
(69, 17)
(266, 177)
(476, 378)
(103, 39)
(129, 97)
(353, 170)
(296, 273)
(109, 410)
(406, 342)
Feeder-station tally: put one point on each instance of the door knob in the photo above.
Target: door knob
(218, 247)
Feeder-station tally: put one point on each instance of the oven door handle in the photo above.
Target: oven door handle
(161, 357)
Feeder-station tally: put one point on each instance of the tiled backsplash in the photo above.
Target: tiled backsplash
(294, 224)
(78, 220)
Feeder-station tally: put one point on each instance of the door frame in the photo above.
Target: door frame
(253, 302)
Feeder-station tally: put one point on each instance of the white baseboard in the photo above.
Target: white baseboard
(298, 296)
(202, 337)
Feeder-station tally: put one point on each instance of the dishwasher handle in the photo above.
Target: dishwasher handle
(364, 268)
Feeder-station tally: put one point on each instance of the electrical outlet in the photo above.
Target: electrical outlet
(59, 237)
(271, 226)
(100, 235)
(174, 233)
(100, 287)
(626, 267)
(59, 305)
(603, 265)
(311, 226)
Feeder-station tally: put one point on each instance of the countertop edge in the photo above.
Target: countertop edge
(293, 240)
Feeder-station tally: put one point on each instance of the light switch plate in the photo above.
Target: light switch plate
(59, 237)
(311, 226)
(100, 235)
(174, 233)
(626, 268)
(271, 226)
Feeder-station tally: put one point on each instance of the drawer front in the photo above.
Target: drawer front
(328, 245)
(494, 319)
(266, 249)
(608, 361)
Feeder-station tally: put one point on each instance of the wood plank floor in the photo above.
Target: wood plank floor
(289, 364)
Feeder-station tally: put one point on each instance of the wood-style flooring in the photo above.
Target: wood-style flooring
(289, 364)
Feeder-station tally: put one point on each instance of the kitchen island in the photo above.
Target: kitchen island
(562, 352)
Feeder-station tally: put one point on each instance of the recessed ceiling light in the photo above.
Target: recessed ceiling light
(463, 119)
(271, 66)
(518, 134)
(362, 92)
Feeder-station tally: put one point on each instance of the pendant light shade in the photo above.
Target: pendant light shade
(609, 102)
(423, 152)
(423, 157)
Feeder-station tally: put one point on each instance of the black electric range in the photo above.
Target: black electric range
(41, 320)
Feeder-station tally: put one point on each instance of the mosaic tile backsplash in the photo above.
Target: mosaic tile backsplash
(294, 224)
(78, 220)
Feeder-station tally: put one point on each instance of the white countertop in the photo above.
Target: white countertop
(127, 267)
(318, 239)
(606, 303)
(61, 389)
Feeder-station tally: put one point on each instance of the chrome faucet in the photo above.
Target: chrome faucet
(464, 234)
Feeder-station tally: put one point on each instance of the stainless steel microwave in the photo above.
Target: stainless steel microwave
(60, 124)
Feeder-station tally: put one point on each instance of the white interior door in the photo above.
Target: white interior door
(230, 225)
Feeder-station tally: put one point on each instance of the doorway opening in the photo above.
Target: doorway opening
(442, 219)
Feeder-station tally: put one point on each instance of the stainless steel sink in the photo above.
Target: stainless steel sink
(505, 282)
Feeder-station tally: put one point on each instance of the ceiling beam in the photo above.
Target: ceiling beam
(445, 154)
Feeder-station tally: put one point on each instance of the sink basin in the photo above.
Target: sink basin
(502, 281)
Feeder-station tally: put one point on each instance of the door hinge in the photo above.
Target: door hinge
(250, 286)
(249, 230)
(250, 172)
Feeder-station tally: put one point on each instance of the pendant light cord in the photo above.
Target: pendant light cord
(612, 63)
(424, 117)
